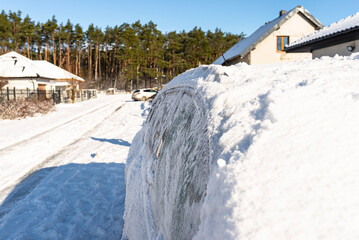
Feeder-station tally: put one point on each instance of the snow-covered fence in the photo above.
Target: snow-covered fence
(58, 96)
(9, 94)
(85, 94)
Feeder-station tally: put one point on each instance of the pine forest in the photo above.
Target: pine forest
(125, 56)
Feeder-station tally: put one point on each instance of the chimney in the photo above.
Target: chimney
(282, 12)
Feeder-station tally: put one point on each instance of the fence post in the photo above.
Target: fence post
(14, 94)
(8, 93)
(27, 92)
(59, 97)
(38, 94)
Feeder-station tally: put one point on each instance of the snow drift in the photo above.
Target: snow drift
(249, 152)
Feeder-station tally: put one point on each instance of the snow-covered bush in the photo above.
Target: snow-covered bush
(24, 108)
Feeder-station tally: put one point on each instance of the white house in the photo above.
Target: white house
(23, 73)
(340, 38)
(266, 44)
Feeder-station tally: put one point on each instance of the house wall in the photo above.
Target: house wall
(246, 59)
(266, 51)
(340, 49)
(21, 84)
(28, 83)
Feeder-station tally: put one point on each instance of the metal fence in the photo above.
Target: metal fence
(58, 96)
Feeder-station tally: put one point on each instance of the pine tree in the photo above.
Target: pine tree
(28, 28)
(15, 19)
(5, 32)
(38, 39)
(79, 39)
(51, 31)
(68, 31)
(90, 40)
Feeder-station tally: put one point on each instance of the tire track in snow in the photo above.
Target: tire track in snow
(6, 186)
(69, 147)
(10, 147)
(36, 180)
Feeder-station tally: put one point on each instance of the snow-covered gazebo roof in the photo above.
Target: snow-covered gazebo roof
(244, 46)
(14, 65)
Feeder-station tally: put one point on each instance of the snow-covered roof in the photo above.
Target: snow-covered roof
(56, 72)
(244, 46)
(343, 25)
(14, 65)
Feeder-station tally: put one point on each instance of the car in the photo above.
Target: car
(144, 94)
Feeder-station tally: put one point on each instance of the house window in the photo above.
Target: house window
(281, 42)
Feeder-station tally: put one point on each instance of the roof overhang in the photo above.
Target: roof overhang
(348, 35)
(72, 79)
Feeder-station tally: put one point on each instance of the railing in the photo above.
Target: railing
(58, 96)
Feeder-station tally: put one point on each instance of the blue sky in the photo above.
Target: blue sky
(176, 15)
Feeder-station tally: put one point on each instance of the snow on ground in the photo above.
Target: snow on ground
(63, 173)
(283, 158)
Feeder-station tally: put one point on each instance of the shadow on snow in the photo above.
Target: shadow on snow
(113, 141)
(73, 201)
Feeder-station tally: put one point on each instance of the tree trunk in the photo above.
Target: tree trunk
(60, 52)
(76, 63)
(46, 49)
(79, 67)
(99, 64)
(68, 55)
(137, 75)
(39, 50)
(112, 69)
(62, 61)
(96, 62)
(16, 43)
(53, 48)
(28, 48)
(90, 62)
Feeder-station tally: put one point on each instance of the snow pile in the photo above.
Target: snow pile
(282, 159)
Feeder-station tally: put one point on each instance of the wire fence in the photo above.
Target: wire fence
(58, 96)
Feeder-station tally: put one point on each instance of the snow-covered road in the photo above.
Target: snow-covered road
(62, 174)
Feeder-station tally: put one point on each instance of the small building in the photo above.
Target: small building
(266, 44)
(340, 38)
(17, 71)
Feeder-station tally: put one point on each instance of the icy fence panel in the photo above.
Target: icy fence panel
(58, 96)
